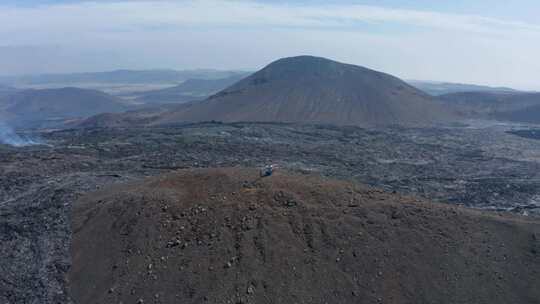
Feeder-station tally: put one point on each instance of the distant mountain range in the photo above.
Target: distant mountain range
(33, 108)
(308, 89)
(526, 115)
(513, 106)
(5, 90)
(119, 77)
(190, 90)
(301, 89)
(440, 88)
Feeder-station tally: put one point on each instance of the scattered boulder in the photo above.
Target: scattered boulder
(389, 248)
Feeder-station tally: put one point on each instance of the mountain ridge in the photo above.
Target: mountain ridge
(189, 90)
(227, 235)
(308, 89)
(34, 106)
(438, 88)
(492, 105)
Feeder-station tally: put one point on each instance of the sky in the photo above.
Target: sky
(492, 42)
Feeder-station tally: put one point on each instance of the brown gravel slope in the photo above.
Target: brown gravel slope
(226, 236)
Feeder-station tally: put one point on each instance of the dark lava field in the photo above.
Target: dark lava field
(480, 167)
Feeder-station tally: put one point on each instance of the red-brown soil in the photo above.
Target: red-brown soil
(227, 236)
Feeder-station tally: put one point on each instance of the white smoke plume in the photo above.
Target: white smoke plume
(9, 137)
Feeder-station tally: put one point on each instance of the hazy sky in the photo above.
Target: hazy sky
(493, 42)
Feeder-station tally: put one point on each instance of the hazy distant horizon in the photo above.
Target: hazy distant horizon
(481, 42)
(127, 70)
(2, 76)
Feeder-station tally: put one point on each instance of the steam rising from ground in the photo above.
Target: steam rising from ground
(10, 137)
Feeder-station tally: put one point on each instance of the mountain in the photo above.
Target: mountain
(526, 115)
(119, 77)
(136, 117)
(490, 104)
(308, 89)
(229, 236)
(32, 107)
(6, 90)
(191, 89)
(440, 88)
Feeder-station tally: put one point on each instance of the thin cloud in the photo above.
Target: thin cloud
(139, 15)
